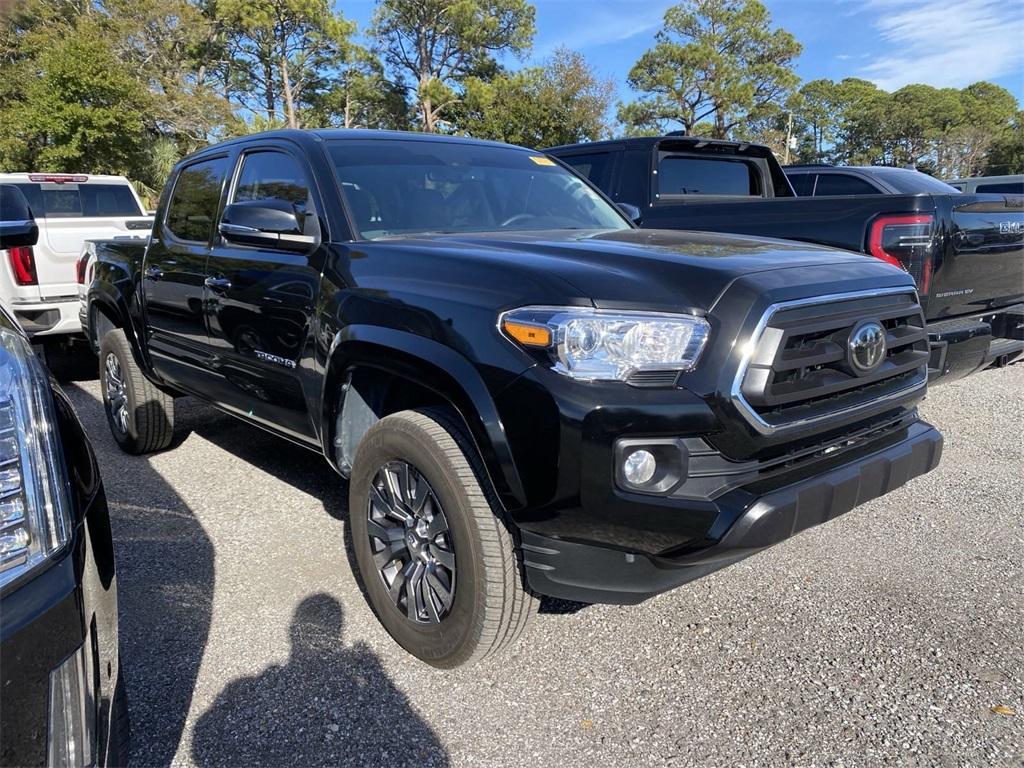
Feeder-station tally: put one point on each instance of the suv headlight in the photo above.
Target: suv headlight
(34, 507)
(601, 344)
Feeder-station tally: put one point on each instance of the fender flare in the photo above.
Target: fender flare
(439, 369)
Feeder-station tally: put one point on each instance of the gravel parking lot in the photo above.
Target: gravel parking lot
(885, 637)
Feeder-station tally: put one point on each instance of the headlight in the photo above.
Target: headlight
(606, 345)
(34, 506)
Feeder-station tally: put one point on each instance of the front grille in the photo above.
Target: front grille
(800, 367)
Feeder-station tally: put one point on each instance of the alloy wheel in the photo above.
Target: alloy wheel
(411, 543)
(117, 393)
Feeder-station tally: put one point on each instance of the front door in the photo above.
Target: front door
(174, 272)
(260, 302)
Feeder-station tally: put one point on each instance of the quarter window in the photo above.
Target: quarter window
(195, 200)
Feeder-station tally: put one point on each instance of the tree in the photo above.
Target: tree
(360, 96)
(82, 110)
(1007, 153)
(283, 50)
(177, 51)
(716, 60)
(436, 44)
(561, 102)
(815, 115)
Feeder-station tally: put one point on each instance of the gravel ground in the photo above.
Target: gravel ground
(885, 637)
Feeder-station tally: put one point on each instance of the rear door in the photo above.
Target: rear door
(174, 270)
(260, 300)
(983, 263)
(71, 212)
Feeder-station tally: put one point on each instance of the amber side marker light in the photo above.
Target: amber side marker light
(527, 334)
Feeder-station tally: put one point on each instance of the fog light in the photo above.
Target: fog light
(639, 467)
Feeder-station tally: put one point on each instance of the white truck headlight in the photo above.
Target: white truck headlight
(600, 344)
(35, 517)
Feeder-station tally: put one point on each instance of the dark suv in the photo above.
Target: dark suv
(528, 395)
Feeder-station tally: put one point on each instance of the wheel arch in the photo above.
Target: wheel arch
(374, 371)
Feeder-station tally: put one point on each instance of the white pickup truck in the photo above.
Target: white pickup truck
(40, 284)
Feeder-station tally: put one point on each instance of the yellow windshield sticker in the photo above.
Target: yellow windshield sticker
(542, 160)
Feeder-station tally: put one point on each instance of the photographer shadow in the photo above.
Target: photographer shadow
(329, 704)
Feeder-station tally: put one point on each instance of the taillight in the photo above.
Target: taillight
(23, 264)
(904, 241)
(80, 268)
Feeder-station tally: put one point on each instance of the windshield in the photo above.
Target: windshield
(909, 182)
(396, 188)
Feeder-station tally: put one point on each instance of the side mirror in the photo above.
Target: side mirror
(632, 212)
(275, 224)
(17, 224)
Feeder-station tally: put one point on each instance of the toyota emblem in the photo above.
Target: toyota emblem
(866, 347)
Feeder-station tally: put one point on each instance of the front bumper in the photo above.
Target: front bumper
(749, 519)
(963, 345)
(49, 318)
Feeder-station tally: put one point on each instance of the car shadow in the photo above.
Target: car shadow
(165, 576)
(306, 471)
(352, 713)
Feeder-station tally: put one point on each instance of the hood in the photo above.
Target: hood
(658, 269)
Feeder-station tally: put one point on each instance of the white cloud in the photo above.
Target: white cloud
(946, 44)
(604, 23)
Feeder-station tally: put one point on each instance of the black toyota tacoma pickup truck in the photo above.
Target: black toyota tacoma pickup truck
(528, 395)
(965, 252)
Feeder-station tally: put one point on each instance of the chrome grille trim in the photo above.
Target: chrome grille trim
(750, 347)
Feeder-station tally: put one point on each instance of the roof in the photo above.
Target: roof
(648, 141)
(348, 134)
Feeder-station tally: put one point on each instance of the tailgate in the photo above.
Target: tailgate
(983, 263)
(60, 245)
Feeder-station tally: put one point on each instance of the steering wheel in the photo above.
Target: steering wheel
(517, 218)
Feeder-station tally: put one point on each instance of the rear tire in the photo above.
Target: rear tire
(456, 544)
(141, 416)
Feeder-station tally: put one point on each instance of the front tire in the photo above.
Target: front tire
(140, 416)
(438, 565)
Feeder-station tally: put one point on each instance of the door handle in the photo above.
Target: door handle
(219, 284)
(154, 273)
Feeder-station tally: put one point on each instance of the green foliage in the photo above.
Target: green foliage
(131, 86)
(81, 107)
(562, 102)
(717, 60)
(434, 45)
(943, 131)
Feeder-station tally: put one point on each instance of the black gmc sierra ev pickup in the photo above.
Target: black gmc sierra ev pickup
(529, 395)
(965, 252)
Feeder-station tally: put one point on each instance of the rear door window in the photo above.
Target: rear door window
(195, 200)
(596, 166)
(837, 184)
(682, 175)
(75, 201)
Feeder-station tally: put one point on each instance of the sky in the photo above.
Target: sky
(944, 43)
